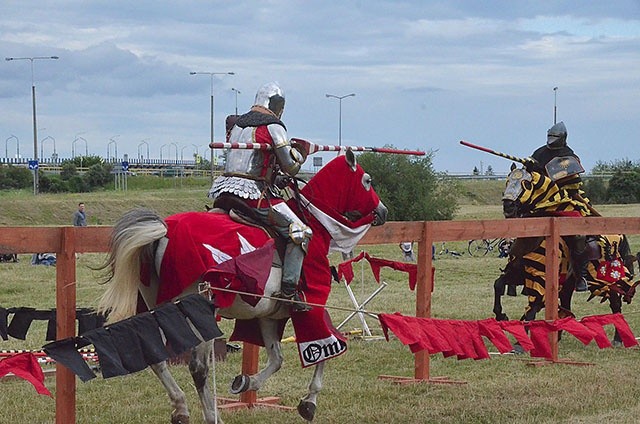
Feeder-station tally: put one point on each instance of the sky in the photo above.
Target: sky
(425, 74)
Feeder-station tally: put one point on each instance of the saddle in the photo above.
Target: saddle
(239, 212)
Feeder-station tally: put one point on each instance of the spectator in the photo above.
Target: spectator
(407, 251)
(79, 216)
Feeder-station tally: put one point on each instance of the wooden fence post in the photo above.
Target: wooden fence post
(424, 288)
(552, 265)
(65, 323)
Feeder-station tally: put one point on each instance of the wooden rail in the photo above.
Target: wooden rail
(67, 241)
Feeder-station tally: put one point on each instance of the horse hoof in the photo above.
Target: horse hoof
(180, 419)
(517, 350)
(307, 410)
(239, 384)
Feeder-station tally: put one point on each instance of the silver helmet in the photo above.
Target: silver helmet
(557, 136)
(271, 96)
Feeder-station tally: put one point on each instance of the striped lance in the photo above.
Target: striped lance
(314, 148)
(523, 161)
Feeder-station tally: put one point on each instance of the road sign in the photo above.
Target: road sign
(125, 166)
(33, 165)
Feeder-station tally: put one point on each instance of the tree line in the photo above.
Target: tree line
(98, 175)
(621, 186)
(409, 186)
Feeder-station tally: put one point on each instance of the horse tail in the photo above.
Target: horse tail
(133, 239)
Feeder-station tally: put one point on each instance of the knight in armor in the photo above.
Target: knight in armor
(249, 181)
(558, 161)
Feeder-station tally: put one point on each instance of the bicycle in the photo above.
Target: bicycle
(444, 250)
(478, 248)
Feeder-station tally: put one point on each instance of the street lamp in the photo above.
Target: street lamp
(237, 92)
(340, 115)
(211, 74)
(115, 143)
(73, 145)
(6, 149)
(143, 142)
(42, 146)
(169, 150)
(555, 107)
(162, 147)
(33, 103)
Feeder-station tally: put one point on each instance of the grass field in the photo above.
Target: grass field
(500, 390)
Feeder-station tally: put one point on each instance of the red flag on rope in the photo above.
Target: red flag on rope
(464, 338)
(345, 269)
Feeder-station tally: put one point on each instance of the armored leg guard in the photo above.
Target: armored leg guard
(291, 268)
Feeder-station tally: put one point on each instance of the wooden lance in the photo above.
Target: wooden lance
(523, 161)
(314, 148)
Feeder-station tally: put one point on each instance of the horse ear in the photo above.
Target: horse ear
(351, 159)
(513, 166)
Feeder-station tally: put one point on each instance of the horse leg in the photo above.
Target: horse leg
(615, 303)
(180, 413)
(529, 315)
(271, 338)
(199, 368)
(565, 296)
(308, 404)
(498, 292)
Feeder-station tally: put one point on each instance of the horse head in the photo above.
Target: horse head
(342, 190)
(530, 193)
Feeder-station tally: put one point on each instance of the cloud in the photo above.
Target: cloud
(425, 74)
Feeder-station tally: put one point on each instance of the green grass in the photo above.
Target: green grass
(168, 196)
(499, 390)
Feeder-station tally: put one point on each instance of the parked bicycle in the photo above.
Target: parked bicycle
(479, 248)
(445, 251)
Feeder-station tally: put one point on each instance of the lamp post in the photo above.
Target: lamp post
(113, 141)
(175, 145)
(555, 107)
(73, 145)
(340, 115)
(6, 149)
(33, 103)
(235, 90)
(143, 142)
(42, 145)
(162, 147)
(211, 75)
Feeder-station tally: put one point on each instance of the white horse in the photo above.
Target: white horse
(338, 203)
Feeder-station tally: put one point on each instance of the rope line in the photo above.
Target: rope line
(338, 308)
(264, 296)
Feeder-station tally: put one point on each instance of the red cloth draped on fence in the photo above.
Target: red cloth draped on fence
(25, 366)
(464, 338)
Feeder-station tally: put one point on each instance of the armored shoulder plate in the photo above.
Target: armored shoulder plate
(562, 167)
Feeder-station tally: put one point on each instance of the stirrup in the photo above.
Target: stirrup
(581, 285)
(299, 303)
(295, 299)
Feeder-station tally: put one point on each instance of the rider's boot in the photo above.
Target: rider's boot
(581, 285)
(581, 282)
(296, 298)
(291, 268)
